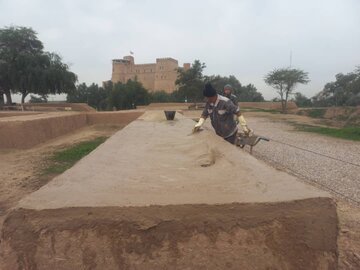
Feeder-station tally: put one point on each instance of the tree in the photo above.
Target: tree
(93, 95)
(250, 93)
(43, 74)
(161, 97)
(218, 82)
(25, 68)
(285, 81)
(244, 93)
(128, 96)
(15, 42)
(345, 91)
(2, 100)
(190, 83)
(301, 100)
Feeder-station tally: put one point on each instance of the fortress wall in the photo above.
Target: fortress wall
(154, 76)
(166, 74)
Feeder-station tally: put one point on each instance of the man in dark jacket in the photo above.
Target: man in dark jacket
(221, 111)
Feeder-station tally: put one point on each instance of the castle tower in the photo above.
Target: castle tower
(130, 59)
(166, 74)
(154, 77)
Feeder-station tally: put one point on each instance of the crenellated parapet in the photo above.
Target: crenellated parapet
(157, 76)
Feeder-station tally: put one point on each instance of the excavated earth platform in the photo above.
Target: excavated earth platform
(154, 196)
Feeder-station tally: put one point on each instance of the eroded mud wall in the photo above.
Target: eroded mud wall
(287, 235)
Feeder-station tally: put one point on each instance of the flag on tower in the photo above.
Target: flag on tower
(131, 52)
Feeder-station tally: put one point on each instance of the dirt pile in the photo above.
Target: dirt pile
(144, 200)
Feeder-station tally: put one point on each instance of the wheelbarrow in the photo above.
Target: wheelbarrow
(243, 139)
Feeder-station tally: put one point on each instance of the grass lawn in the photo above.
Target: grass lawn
(347, 133)
(247, 109)
(65, 159)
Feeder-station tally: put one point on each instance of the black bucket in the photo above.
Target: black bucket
(170, 115)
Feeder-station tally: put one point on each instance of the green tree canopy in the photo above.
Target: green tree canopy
(128, 95)
(25, 68)
(244, 93)
(284, 80)
(345, 91)
(190, 83)
(301, 100)
(161, 97)
(15, 42)
(93, 95)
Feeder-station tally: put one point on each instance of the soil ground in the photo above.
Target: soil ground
(349, 213)
(20, 170)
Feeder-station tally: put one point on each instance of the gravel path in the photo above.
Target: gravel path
(329, 163)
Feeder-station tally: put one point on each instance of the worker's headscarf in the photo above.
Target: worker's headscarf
(228, 86)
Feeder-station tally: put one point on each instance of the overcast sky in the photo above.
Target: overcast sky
(245, 38)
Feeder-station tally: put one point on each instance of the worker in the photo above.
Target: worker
(228, 92)
(221, 111)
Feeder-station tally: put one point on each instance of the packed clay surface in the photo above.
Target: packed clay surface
(155, 196)
(154, 161)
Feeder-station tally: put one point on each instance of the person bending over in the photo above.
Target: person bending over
(221, 111)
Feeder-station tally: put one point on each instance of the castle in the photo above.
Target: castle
(154, 77)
